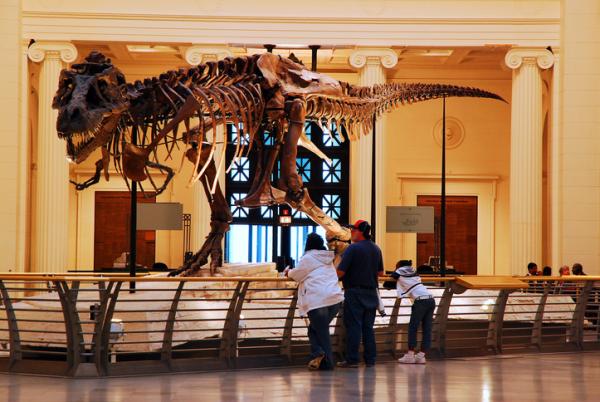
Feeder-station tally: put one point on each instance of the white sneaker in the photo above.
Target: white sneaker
(408, 358)
(420, 358)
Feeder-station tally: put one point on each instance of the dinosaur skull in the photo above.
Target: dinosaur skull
(90, 99)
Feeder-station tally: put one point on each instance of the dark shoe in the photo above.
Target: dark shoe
(315, 363)
(369, 364)
(346, 364)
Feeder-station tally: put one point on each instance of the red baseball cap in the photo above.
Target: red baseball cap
(360, 225)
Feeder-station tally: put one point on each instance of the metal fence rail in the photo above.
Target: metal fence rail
(94, 326)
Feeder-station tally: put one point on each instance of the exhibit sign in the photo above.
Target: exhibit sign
(410, 220)
(160, 216)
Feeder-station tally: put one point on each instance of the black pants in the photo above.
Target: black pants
(421, 315)
(360, 307)
(318, 333)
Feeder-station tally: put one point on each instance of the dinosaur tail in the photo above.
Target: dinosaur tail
(359, 105)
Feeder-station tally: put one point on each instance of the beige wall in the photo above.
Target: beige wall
(478, 166)
(580, 156)
(501, 22)
(10, 135)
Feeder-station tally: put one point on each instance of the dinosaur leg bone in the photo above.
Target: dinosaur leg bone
(220, 218)
(261, 192)
(290, 180)
(338, 237)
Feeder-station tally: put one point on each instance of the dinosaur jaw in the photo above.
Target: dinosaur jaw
(81, 144)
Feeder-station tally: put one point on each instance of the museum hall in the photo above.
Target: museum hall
(335, 200)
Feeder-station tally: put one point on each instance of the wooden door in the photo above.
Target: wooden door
(461, 232)
(111, 230)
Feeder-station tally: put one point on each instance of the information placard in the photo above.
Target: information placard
(410, 220)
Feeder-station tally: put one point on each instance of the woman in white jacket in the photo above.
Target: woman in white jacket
(319, 297)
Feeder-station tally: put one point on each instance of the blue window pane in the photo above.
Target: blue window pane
(268, 138)
(259, 239)
(308, 129)
(237, 211)
(233, 135)
(332, 172)
(240, 170)
(266, 212)
(332, 205)
(298, 215)
(331, 136)
(303, 166)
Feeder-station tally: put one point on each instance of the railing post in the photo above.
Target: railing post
(440, 321)
(104, 293)
(536, 332)
(103, 337)
(228, 349)
(494, 338)
(576, 330)
(393, 327)
(286, 339)
(68, 301)
(167, 344)
(14, 339)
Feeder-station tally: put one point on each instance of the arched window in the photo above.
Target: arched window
(255, 235)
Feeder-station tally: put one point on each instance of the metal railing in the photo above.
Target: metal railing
(94, 326)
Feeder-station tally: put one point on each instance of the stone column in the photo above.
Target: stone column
(526, 155)
(371, 63)
(200, 210)
(51, 204)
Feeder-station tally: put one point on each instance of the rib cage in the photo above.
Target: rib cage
(356, 109)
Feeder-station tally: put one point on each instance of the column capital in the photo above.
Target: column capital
(519, 55)
(384, 56)
(195, 55)
(64, 51)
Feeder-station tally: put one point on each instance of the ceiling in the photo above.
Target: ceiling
(328, 58)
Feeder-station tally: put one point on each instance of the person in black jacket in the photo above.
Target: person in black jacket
(359, 268)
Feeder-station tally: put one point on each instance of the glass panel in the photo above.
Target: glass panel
(331, 136)
(332, 205)
(259, 239)
(308, 129)
(240, 170)
(266, 212)
(237, 211)
(238, 234)
(332, 173)
(303, 166)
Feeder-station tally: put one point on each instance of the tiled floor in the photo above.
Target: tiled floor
(541, 377)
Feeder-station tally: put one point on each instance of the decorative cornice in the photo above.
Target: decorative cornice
(361, 57)
(519, 55)
(66, 51)
(195, 55)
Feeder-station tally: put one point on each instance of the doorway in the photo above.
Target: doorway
(111, 230)
(461, 233)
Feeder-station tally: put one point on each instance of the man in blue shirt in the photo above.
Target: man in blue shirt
(361, 264)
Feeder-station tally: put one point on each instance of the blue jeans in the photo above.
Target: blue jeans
(318, 333)
(360, 307)
(421, 315)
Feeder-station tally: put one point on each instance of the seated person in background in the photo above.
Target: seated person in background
(409, 285)
(532, 269)
(547, 271)
(319, 297)
(577, 269)
(565, 288)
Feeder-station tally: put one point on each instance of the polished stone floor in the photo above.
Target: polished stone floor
(540, 377)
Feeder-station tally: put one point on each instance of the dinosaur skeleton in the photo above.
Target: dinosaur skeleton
(99, 109)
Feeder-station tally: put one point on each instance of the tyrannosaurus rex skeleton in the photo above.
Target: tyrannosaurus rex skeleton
(99, 109)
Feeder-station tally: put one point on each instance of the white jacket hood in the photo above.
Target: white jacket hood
(317, 258)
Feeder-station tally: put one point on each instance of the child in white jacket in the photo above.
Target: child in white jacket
(423, 306)
(319, 297)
